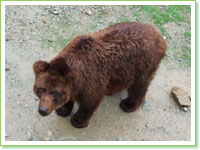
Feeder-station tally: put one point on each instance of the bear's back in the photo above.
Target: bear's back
(117, 51)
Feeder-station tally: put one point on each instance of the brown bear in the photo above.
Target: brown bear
(123, 56)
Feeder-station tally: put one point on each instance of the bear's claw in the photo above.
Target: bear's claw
(63, 112)
(126, 108)
(78, 124)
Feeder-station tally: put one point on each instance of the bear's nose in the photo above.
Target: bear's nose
(43, 111)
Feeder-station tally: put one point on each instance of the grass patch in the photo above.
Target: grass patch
(150, 9)
(64, 24)
(93, 27)
(100, 15)
(187, 34)
(122, 18)
(173, 13)
(162, 30)
(136, 14)
(59, 43)
(123, 6)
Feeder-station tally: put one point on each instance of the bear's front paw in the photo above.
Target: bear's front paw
(78, 123)
(63, 112)
(127, 107)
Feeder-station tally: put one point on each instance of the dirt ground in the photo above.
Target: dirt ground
(40, 32)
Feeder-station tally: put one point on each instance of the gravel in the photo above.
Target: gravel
(39, 33)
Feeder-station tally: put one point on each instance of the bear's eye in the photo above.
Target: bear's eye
(40, 91)
(55, 94)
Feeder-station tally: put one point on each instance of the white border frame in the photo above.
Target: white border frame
(4, 3)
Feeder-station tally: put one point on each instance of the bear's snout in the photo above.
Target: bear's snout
(43, 111)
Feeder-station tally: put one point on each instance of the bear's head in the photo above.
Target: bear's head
(53, 84)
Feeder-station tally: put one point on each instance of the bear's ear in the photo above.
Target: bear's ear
(58, 66)
(40, 66)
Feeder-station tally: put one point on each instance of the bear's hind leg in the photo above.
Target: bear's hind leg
(136, 96)
(66, 109)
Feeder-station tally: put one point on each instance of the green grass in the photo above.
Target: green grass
(178, 14)
(136, 14)
(93, 27)
(59, 43)
(187, 34)
(64, 24)
(162, 29)
(173, 13)
(122, 18)
(150, 9)
(159, 15)
(100, 15)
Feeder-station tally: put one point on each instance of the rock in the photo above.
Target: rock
(88, 12)
(146, 105)
(123, 129)
(34, 138)
(64, 9)
(26, 105)
(56, 9)
(44, 13)
(181, 96)
(104, 12)
(119, 139)
(46, 138)
(56, 12)
(50, 41)
(18, 102)
(180, 60)
(49, 133)
(7, 69)
(48, 7)
(146, 125)
(31, 22)
(185, 109)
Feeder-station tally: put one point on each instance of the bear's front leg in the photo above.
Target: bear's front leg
(81, 118)
(66, 109)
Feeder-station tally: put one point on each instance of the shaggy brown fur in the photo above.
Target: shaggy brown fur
(125, 55)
